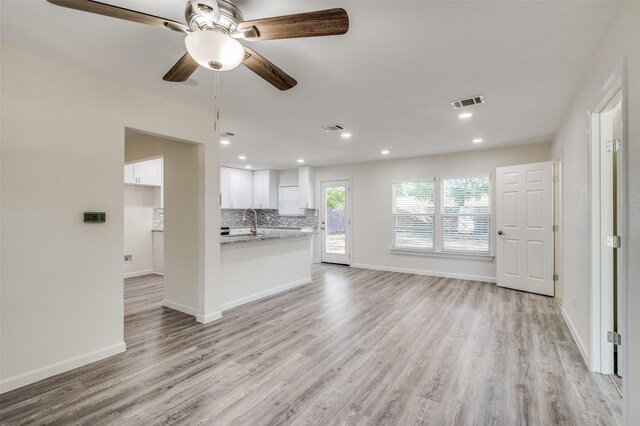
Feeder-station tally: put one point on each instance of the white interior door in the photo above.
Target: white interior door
(335, 223)
(524, 220)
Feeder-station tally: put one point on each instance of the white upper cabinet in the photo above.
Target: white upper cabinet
(147, 172)
(247, 188)
(224, 188)
(235, 188)
(241, 189)
(129, 175)
(306, 187)
(265, 189)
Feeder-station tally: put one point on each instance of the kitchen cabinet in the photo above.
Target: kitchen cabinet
(148, 172)
(265, 189)
(129, 175)
(306, 187)
(236, 188)
(224, 187)
(246, 187)
(288, 201)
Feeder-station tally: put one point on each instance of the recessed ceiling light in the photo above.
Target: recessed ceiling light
(384, 152)
(300, 161)
(477, 140)
(465, 115)
(225, 142)
(247, 166)
(242, 157)
(346, 135)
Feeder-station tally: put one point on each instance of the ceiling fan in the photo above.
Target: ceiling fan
(214, 28)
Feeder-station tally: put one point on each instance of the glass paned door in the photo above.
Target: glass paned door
(336, 222)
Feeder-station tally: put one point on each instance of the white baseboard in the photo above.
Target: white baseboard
(576, 338)
(264, 294)
(423, 272)
(34, 376)
(178, 307)
(206, 319)
(139, 273)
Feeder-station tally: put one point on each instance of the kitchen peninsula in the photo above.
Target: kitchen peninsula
(279, 207)
(257, 266)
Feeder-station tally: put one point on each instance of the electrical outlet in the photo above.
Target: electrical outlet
(128, 258)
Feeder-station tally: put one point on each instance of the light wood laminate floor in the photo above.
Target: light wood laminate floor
(354, 346)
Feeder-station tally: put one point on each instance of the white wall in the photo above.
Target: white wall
(181, 215)
(372, 204)
(288, 177)
(138, 224)
(62, 142)
(571, 141)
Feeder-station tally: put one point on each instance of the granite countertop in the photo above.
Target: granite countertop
(266, 234)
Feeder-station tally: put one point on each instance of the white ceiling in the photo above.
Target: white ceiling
(389, 80)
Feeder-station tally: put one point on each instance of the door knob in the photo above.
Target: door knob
(500, 232)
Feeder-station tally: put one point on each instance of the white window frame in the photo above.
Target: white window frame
(440, 204)
(435, 214)
(437, 251)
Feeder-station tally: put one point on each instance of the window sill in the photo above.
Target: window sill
(445, 255)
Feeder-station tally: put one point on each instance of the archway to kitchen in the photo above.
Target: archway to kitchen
(174, 228)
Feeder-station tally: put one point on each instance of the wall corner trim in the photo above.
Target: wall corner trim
(576, 338)
(181, 308)
(30, 377)
(206, 319)
(423, 272)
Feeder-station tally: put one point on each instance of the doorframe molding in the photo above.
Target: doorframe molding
(349, 211)
(558, 221)
(616, 83)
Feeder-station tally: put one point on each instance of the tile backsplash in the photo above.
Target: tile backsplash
(269, 218)
(158, 219)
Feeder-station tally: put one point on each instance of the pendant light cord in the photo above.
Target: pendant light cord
(216, 114)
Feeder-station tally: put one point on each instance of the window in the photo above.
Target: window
(460, 225)
(466, 215)
(413, 215)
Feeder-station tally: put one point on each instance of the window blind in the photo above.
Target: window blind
(413, 215)
(466, 215)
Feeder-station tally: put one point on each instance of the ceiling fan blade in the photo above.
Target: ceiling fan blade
(267, 70)
(311, 24)
(182, 70)
(120, 13)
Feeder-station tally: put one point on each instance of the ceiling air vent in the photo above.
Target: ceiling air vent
(467, 102)
(332, 128)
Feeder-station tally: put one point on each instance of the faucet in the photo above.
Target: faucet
(254, 226)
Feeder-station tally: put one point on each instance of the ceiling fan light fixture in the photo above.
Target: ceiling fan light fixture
(214, 49)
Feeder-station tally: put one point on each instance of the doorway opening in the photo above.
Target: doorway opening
(143, 236)
(608, 234)
(335, 224)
